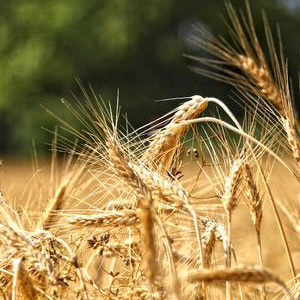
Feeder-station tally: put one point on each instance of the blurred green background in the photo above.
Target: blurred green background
(134, 46)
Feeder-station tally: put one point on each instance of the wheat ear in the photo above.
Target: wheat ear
(229, 198)
(209, 241)
(291, 133)
(238, 274)
(54, 205)
(105, 219)
(230, 203)
(262, 77)
(39, 260)
(23, 287)
(148, 238)
(254, 202)
(160, 153)
(169, 190)
(279, 223)
(124, 168)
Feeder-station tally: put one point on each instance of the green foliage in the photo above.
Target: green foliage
(130, 45)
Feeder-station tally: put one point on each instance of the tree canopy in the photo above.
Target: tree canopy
(132, 46)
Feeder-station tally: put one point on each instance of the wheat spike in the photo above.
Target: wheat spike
(231, 184)
(105, 219)
(262, 77)
(123, 169)
(292, 139)
(148, 238)
(163, 146)
(238, 274)
(254, 200)
(54, 205)
(23, 287)
(209, 241)
(39, 259)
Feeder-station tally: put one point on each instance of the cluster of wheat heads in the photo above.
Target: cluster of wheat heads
(150, 213)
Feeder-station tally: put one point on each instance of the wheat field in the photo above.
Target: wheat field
(189, 206)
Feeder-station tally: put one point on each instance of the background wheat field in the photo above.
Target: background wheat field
(197, 204)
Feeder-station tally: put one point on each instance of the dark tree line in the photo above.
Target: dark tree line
(134, 46)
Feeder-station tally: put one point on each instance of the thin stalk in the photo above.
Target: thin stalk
(259, 248)
(228, 255)
(242, 133)
(279, 223)
(175, 284)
